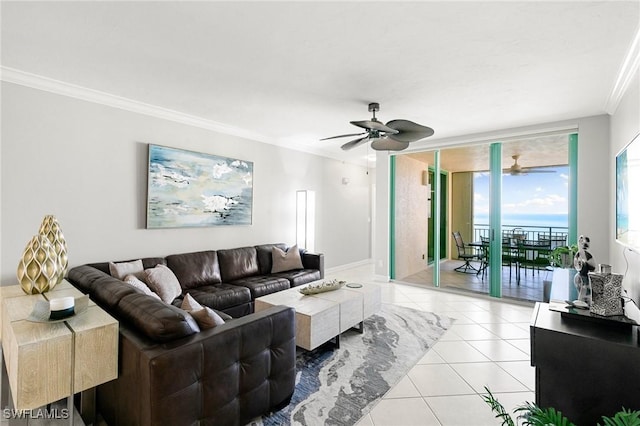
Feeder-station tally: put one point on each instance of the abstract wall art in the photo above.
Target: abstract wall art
(192, 189)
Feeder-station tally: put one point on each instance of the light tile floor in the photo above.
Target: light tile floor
(488, 345)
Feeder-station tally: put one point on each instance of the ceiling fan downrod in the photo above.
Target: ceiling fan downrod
(373, 107)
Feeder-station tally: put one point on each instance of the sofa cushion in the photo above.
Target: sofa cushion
(221, 296)
(262, 285)
(122, 269)
(109, 291)
(195, 269)
(163, 282)
(204, 315)
(133, 281)
(238, 263)
(154, 319)
(286, 260)
(265, 258)
(300, 277)
(157, 320)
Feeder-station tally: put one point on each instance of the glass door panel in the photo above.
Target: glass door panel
(480, 189)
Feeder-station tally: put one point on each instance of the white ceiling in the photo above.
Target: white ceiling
(293, 72)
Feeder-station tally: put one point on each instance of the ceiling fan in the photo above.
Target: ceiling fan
(516, 169)
(395, 135)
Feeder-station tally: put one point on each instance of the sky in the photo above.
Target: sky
(533, 193)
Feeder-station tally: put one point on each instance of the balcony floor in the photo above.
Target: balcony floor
(529, 289)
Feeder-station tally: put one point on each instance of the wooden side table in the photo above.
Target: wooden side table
(47, 362)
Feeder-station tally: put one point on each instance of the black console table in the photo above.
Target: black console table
(584, 369)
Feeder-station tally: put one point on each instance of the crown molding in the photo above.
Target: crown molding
(15, 76)
(12, 75)
(625, 75)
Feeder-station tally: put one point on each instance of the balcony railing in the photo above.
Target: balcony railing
(556, 235)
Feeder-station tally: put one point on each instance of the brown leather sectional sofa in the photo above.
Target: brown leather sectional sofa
(170, 372)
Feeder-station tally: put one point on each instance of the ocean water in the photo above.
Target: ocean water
(515, 220)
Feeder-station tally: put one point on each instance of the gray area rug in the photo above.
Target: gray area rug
(339, 386)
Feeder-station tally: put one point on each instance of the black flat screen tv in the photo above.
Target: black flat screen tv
(628, 195)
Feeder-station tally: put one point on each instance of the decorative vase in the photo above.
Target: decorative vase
(50, 228)
(38, 267)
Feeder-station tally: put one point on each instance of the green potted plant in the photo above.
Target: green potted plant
(562, 256)
(532, 415)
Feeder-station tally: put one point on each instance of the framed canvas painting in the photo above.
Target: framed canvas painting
(192, 189)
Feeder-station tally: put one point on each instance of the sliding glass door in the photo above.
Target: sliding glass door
(472, 190)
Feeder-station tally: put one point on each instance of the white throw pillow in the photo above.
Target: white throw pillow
(122, 269)
(204, 316)
(163, 282)
(285, 261)
(133, 281)
(190, 304)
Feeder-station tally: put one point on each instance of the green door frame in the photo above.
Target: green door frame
(436, 219)
(392, 217)
(443, 196)
(573, 189)
(495, 220)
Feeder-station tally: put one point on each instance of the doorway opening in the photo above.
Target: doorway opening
(534, 187)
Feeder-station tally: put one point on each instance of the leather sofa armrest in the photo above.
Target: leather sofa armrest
(313, 261)
(242, 368)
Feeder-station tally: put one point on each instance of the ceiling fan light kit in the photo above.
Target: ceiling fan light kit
(395, 135)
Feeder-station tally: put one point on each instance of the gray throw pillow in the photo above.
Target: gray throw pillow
(133, 281)
(122, 269)
(285, 261)
(163, 282)
(204, 316)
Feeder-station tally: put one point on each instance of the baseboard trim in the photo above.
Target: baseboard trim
(346, 266)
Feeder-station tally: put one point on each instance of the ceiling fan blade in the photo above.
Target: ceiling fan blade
(408, 131)
(356, 142)
(343, 136)
(374, 125)
(388, 144)
(526, 170)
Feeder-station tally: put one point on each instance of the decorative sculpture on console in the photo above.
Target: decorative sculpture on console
(584, 263)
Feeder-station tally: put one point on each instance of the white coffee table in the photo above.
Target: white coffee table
(324, 316)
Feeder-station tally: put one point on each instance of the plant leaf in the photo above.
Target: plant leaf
(623, 418)
(497, 408)
(536, 416)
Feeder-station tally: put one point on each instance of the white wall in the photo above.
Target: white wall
(593, 185)
(625, 124)
(86, 164)
(593, 180)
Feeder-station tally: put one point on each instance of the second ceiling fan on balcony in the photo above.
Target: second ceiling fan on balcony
(517, 170)
(395, 135)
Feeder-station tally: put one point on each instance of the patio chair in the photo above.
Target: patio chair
(466, 254)
(510, 256)
(534, 254)
(484, 256)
